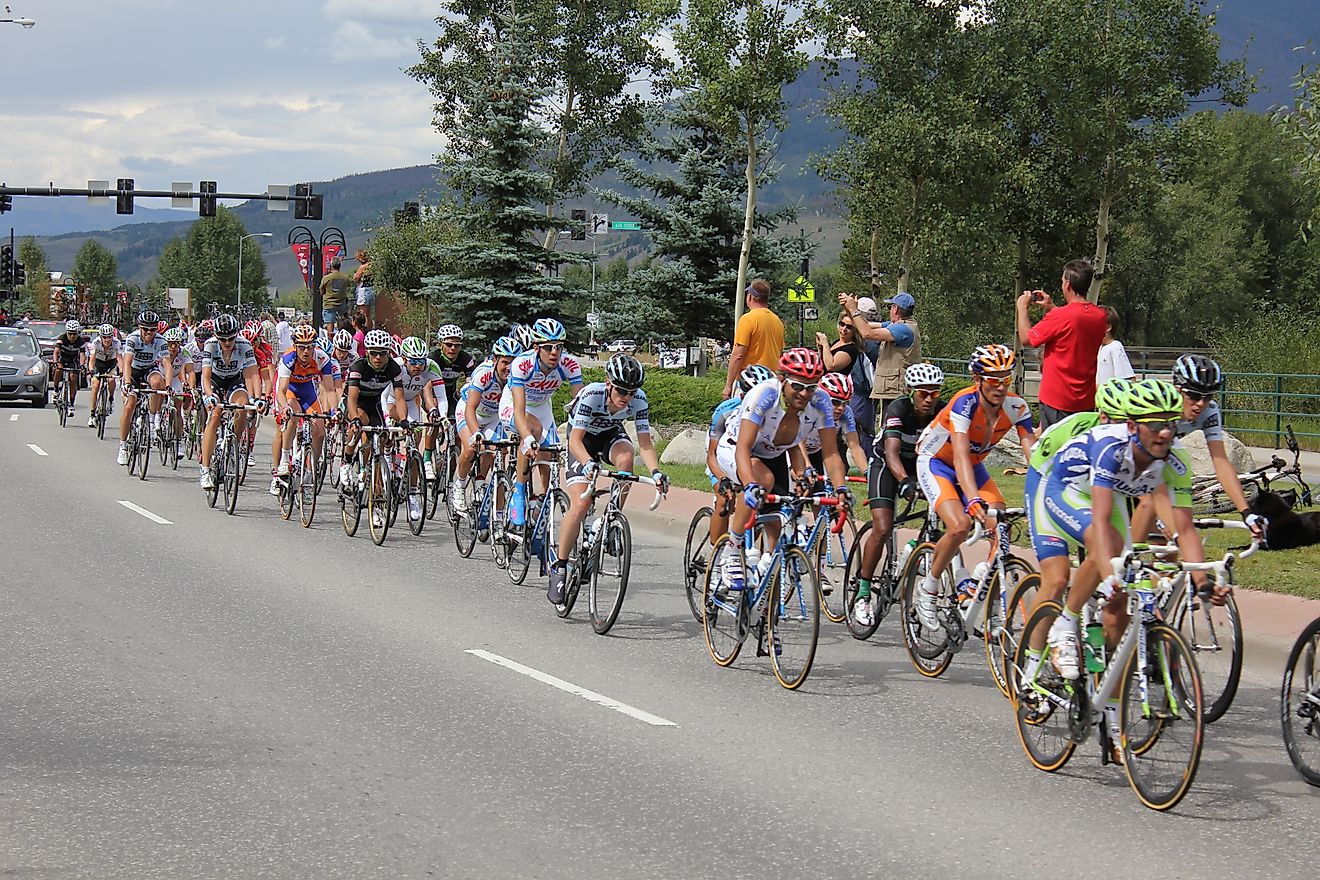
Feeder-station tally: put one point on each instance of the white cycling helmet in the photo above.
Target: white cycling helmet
(506, 346)
(107, 330)
(378, 339)
(753, 376)
(548, 330)
(174, 334)
(918, 375)
(72, 327)
(344, 340)
(449, 331)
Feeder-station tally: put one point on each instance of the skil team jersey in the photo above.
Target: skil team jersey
(299, 373)
(719, 420)
(371, 382)
(1103, 456)
(145, 354)
(764, 408)
(537, 384)
(486, 382)
(230, 367)
(965, 415)
(591, 414)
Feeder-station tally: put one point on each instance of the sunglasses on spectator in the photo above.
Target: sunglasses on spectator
(1195, 396)
(802, 386)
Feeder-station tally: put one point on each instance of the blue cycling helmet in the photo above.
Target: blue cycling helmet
(506, 346)
(548, 330)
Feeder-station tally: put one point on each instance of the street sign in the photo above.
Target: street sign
(626, 224)
(810, 314)
(600, 224)
(802, 291)
(181, 190)
(593, 319)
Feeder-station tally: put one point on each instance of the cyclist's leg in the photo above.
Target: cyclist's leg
(881, 489)
(622, 455)
(940, 486)
(131, 402)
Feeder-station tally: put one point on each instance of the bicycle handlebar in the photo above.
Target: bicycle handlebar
(624, 477)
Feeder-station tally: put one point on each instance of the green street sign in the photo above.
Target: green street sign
(802, 291)
(626, 224)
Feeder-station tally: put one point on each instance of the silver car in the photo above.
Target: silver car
(23, 371)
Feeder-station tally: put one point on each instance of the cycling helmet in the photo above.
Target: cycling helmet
(161, 326)
(395, 341)
(377, 340)
(207, 327)
(343, 340)
(918, 375)
(523, 333)
(752, 376)
(251, 333)
(414, 347)
(303, 334)
(72, 327)
(323, 341)
(449, 331)
(548, 330)
(991, 359)
(1196, 372)
(1151, 397)
(226, 326)
(506, 346)
(174, 334)
(106, 330)
(804, 363)
(625, 372)
(1111, 398)
(269, 333)
(148, 318)
(838, 386)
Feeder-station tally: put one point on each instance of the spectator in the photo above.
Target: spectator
(366, 292)
(285, 331)
(842, 357)
(360, 326)
(758, 338)
(334, 295)
(899, 341)
(1112, 362)
(1070, 335)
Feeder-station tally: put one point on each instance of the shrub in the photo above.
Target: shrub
(675, 397)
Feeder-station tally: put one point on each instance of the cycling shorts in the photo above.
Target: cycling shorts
(600, 447)
(305, 394)
(142, 378)
(225, 389)
(489, 428)
(371, 408)
(1059, 517)
(110, 366)
(67, 361)
(940, 484)
(542, 413)
(882, 485)
(778, 465)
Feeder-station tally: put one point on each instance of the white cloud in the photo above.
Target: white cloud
(276, 43)
(354, 41)
(381, 10)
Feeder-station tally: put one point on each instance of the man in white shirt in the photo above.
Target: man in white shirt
(1111, 362)
(285, 331)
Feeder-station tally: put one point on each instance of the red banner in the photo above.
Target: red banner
(328, 253)
(303, 252)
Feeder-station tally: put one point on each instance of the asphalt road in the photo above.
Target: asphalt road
(237, 697)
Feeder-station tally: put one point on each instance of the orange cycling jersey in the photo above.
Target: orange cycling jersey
(965, 414)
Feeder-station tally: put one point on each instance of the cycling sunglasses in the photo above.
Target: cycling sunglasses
(926, 393)
(551, 346)
(624, 392)
(1196, 396)
(378, 352)
(802, 386)
(1158, 425)
(417, 362)
(226, 338)
(998, 381)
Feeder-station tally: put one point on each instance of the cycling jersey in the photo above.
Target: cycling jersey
(901, 420)
(965, 414)
(452, 371)
(591, 411)
(486, 383)
(413, 385)
(1058, 434)
(103, 354)
(264, 354)
(145, 355)
(299, 373)
(195, 352)
(539, 385)
(764, 408)
(1210, 423)
(371, 382)
(847, 425)
(68, 352)
(228, 369)
(180, 365)
(719, 420)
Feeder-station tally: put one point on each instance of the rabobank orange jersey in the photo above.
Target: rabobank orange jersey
(299, 373)
(965, 415)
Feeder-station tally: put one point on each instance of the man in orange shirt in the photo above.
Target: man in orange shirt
(758, 338)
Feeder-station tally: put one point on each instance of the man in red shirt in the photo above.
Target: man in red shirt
(1070, 335)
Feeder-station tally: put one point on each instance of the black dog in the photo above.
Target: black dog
(1287, 528)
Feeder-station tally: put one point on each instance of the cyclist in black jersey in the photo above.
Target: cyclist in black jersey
(70, 354)
(893, 470)
(367, 380)
(454, 363)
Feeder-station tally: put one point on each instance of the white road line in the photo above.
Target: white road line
(569, 687)
(147, 513)
(37, 449)
(14, 417)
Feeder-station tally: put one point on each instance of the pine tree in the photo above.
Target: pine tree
(497, 268)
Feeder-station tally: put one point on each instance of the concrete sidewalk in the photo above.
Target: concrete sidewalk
(1310, 461)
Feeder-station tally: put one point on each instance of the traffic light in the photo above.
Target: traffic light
(124, 199)
(206, 204)
(579, 218)
(6, 266)
(308, 205)
(20, 274)
(6, 202)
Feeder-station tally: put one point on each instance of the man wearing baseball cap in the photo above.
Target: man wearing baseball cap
(900, 343)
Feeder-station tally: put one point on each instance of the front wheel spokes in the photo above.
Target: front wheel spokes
(233, 454)
(695, 551)
(609, 572)
(999, 646)
(1299, 704)
(880, 596)
(1044, 710)
(793, 623)
(306, 486)
(928, 649)
(1214, 634)
(379, 499)
(1162, 718)
(832, 568)
(415, 486)
(724, 611)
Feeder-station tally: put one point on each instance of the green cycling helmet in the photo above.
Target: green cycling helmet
(1151, 397)
(414, 347)
(1111, 398)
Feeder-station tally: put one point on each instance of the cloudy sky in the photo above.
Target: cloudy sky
(241, 92)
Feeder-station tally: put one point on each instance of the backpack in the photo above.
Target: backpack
(863, 368)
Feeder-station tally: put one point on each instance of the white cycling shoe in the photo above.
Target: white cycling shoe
(428, 468)
(275, 487)
(1065, 649)
(863, 614)
(414, 510)
(926, 609)
(283, 469)
(207, 479)
(122, 459)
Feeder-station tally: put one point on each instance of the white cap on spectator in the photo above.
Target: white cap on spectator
(866, 306)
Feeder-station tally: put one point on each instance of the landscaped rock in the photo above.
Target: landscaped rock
(689, 447)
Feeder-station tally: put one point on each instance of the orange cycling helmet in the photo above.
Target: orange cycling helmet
(991, 359)
(303, 334)
(804, 363)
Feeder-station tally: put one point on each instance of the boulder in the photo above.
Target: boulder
(1006, 454)
(688, 447)
(1238, 454)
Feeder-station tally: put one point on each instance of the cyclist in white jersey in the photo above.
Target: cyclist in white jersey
(104, 358)
(525, 402)
(423, 393)
(140, 367)
(595, 434)
(229, 375)
(478, 412)
(178, 366)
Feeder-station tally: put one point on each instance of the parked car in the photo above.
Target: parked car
(628, 345)
(45, 331)
(23, 374)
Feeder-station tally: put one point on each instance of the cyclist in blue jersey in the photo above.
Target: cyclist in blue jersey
(479, 412)
(726, 483)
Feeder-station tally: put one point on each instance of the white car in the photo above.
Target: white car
(627, 345)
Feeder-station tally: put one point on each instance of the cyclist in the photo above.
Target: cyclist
(764, 441)
(839, 387)
(481, 411)
(893, 470)
(368, 379)
(525, 402)
(229, 375)
(304, 385)
(178, 367)
(595, 434)
(455, 364)
(343, 353)
(423, 394)
(950, 455)
(105, 362)
(139, 365)
(1074, 504)
(724, 483)
(70, 354)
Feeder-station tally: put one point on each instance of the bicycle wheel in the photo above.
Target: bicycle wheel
(465, 524)
(1162, 719)
(143, 442)
(132, 446)
(379, 498)
(1214, 633)
(217, 474)
(233, 456)
(414, 488)
(442, 485)
(609, 573)
(1299, 704)
(307, 486)
(831, 564)
(350, 506)
(724, 620)
(695, 551)
(1020, 606)
(500, 545)
(102, 409)
(793, 618)
(244, 454)
(288, 494)
(929, 650)
(998, 653)
(62, 402)
(556, 507)
(852, 571)
(175, 437)
(1049, 706)
(521, 539)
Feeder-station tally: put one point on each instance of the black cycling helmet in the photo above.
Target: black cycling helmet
(1197, 373)
(148, 318)
(226, 326)
(625, 372)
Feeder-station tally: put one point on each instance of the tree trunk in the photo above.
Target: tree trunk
(875, 264)
(904, 281)
(745, 255)
(552, 234)
(1102, 230)
(1020, 273)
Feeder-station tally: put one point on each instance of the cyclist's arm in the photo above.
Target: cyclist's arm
(429, 402)
(737, 360)
(206, 380)
(1027, 439)
(829, 448)
(647, 449)
(742, 453)
(577, 447)
(282, 391)
(1101, 545)
(351, 399)
(520, 421)
(470, 401)
(855, 448)
(1227, 475)
(168, 363)
(1189, 540)
(252, 379)
(400, 406)
(894, 458)
(798, 461)
(712, 463)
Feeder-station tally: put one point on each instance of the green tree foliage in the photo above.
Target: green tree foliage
(495, 271)
(37, 270)
(400, 252)
(1300, 123)
(206, 260)
(95, 266)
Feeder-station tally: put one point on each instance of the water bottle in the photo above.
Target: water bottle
(1095, 642)
(763, 566)
(754, 560)
(803, 533)
(595, 530)
(979, 576)
(966, 586)
(905, 553)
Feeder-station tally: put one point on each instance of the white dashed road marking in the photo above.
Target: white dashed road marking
(147, 513)
(37, 449)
